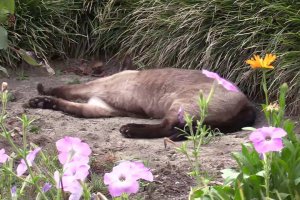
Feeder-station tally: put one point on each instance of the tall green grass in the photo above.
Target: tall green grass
(43, 26)
(214, 34)
(218, 35)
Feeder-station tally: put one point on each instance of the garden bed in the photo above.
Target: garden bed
(169, 167)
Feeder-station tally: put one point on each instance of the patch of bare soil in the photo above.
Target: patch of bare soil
(169, 167)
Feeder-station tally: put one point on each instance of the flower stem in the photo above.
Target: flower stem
(4, 102)
(267, 169)
(264, 84)
(11, 142)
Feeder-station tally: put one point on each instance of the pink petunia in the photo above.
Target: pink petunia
(267, 139)
(13, 192)
(70, 184)
(124, 178)
(22, 167)
(136, 169)
(74, 173)
(226, 84)
(74, 155)
(46, 187)
(77, 169)
(3, 156)
(72, 149)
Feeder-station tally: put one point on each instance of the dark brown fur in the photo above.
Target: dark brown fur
(157, 93)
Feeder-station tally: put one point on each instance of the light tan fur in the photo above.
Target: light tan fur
(157, 93)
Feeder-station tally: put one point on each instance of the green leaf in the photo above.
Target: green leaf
(248, 129)
(261, 173)
(28, 58)
(282, 196)
(3, 15)
(297, 181)
(289, 127)
(282, 97)
(3, 38)
(229, 175)
(8, 5)
(2, 69)
(196, 194)
(223, 192)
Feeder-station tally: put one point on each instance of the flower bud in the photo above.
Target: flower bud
(4, 86)
(273, 107)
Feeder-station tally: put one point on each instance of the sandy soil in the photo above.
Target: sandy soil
(169, 167)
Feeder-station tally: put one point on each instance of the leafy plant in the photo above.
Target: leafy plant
(7, 7)
(197, 133)
(268, 168)
(30, 173)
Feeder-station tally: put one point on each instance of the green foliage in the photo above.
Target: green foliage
(6, 7)
(197, 135)
(2, 69)
(39, 171)
(44, 27)
(248, 183)
(29, 59)
(3, 38)
(219, 35)
(271, 175)
(98, 184)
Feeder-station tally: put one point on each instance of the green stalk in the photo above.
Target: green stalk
(203, 104)
(241, 191)
(4, 102)
(86, 192)
(267, 169)
(8, 137)
(23, 155)
(24, 136)
(264, 84)
(265, 89)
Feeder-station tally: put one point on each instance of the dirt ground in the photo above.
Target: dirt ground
(169, 167)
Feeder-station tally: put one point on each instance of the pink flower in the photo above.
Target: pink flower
(46, 187)
(3, 156)
(72, 149)
(22, 167)
(74, 173)
(77, 169)
(69, 183)
(123, 178)
(267, 139)
(74, 155)
(137, 170)
(13, 192)
(226, 84)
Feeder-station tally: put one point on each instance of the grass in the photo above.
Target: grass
(44, 27)
(217, 35)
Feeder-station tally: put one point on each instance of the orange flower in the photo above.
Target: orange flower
(257, 62)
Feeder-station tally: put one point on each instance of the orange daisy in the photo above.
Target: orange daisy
(258, 62)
